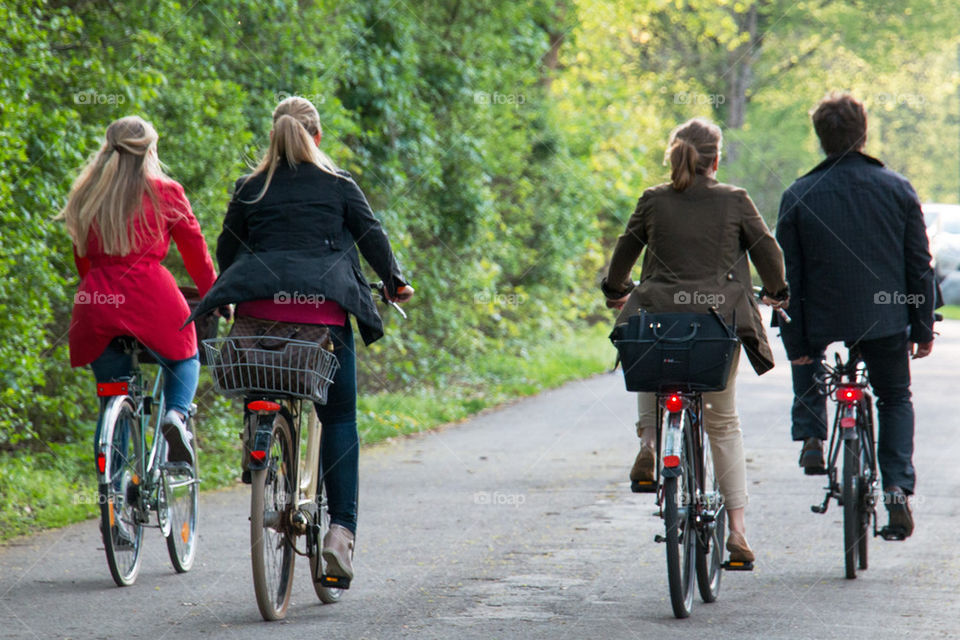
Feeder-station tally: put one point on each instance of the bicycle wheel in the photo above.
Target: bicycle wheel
(326, 594)
(710, 542)
(681, 538)
(270, 503)
(851, 505)
(181, 491)
(119, 494)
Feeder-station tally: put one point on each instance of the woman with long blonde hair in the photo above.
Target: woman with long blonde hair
(289, 253)
(121, 215)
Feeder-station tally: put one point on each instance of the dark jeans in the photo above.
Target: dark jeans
(888, 367)
(339, 442)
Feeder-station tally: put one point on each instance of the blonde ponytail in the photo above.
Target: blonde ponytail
(692, 149)
(295, 123)
(107, 196)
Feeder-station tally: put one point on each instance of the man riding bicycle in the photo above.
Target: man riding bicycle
(858, 266)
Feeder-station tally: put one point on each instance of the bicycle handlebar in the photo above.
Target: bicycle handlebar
(381, 290)
(781, 312)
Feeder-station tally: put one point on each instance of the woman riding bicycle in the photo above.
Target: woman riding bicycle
(121, 214)
(288, 253)
(697, 233)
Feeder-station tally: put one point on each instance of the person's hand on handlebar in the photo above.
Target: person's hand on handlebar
(921, 349)
(224, 311)
(776, 304)
(404, 293)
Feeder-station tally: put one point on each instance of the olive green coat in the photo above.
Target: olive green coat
(697, 242)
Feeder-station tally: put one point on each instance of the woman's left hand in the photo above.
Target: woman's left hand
(404, 294)
(617, 303)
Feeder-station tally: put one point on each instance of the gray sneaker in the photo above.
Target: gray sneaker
(338, 551)
(178, 438)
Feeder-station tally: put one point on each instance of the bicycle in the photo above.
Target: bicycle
(855, 487)
(692, 509)
(288, 498)
(129, 485)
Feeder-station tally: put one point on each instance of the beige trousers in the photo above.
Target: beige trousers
(722, 425)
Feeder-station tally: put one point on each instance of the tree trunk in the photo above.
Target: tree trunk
(739, 77)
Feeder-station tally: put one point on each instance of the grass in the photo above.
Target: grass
(950, 311)
(54, 488)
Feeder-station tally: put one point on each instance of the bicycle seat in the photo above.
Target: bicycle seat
(129, 344)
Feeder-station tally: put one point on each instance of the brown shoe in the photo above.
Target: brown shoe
(811, 457)
(900, 526)
(338, 551)
(644, 467)
(739, 550)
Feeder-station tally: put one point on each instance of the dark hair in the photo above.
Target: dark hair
(692, 148)
(841, 123)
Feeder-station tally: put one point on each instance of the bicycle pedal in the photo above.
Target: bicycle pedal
(892, 535)
(736, 565)
(334, 582)
(659, 538)
(643, 486)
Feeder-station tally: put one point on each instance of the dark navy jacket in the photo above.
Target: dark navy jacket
(302, 238)
(857, 256)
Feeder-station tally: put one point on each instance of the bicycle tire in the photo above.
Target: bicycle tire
(182, 498)
(867, 473)
(272, 555)
(118, 494)
(710, 547)
(680, 539)
(326, 595)
(851, 505)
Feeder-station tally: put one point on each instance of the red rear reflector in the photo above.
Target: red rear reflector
(107, 389)
(849, 394)
(101, 463)
(674, 403)
(671, 461)
(259, 456)
(263, 405)
(848, 422)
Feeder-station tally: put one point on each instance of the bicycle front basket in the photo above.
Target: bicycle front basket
(688, 351)
(241, 365)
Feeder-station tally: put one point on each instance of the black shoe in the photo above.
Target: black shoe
(811, 457)
(900, 525)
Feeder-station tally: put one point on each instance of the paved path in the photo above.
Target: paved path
(520, 524)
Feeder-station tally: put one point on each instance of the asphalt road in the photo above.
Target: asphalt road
(520, 524)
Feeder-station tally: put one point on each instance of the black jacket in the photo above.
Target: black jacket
(301, 238)
(857, 256)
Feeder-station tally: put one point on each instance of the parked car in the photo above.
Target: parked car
(943, 229)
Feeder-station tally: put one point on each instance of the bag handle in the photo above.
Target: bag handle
(274, 342)
(695, 327)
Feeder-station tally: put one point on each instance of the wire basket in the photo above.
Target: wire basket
(295, 368)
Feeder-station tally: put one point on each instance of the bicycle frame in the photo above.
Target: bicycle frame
(848, 385)
(132, 388)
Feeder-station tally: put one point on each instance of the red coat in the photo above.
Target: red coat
(135, 295)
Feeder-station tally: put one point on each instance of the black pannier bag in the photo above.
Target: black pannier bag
(677, 351)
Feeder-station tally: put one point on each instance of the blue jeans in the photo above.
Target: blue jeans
(339, 441)
(179, 380)
(888, 367)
